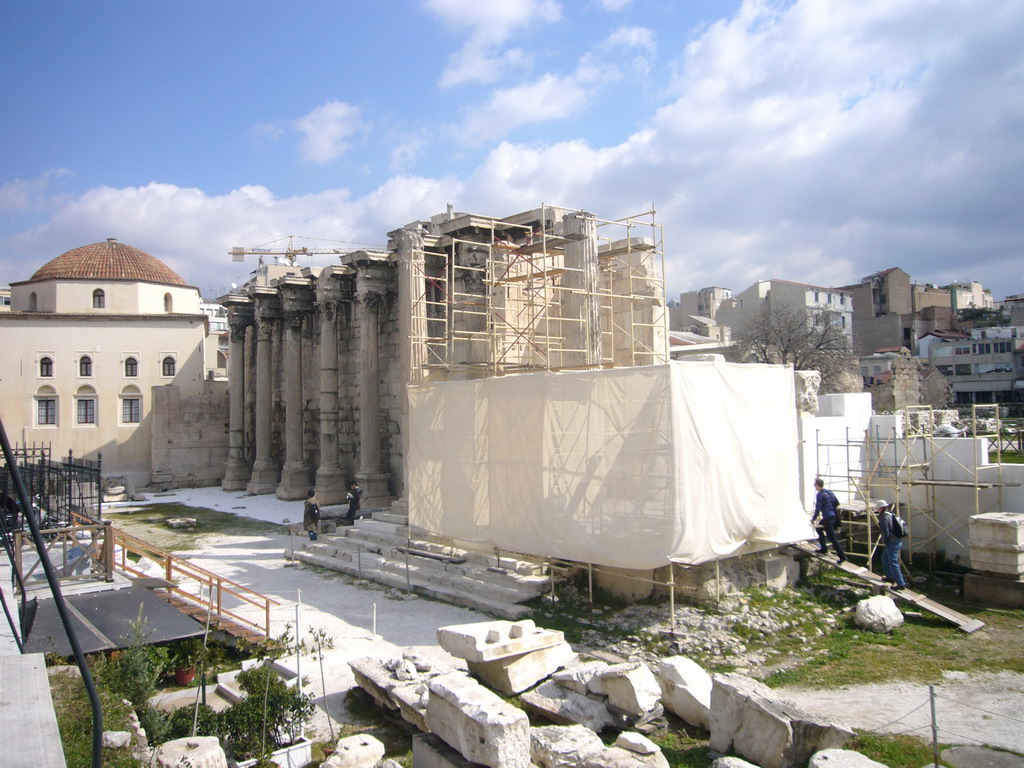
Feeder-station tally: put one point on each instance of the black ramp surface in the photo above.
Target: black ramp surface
(103, 622)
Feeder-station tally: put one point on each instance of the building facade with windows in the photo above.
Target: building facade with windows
(817, 301)
(87, 338)
(988, 367)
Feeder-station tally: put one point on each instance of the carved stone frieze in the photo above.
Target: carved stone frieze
(807, 385)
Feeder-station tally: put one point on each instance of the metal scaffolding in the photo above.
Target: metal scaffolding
(898, 466)
(548, 289)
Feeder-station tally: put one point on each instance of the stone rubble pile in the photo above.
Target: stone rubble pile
(465, 723)
(713, 635)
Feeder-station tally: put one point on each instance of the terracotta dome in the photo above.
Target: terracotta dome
(109, 260)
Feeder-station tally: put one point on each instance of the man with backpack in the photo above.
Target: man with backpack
(893, 530)
(827, 505)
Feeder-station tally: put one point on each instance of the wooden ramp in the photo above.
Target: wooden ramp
(908, 595)
(223, 623)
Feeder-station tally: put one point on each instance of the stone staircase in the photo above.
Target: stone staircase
(379, 548)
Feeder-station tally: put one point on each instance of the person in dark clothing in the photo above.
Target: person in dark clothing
(827, 506)
(355, 493)
(893, 544)
(311, 515)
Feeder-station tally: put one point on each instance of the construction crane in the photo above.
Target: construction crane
(290, 252)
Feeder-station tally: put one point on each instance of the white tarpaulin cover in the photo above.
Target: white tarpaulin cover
(630, 467)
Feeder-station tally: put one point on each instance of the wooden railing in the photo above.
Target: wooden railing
(107, 548)
(175, 568)
(97, 549)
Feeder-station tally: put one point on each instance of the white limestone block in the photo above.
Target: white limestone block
(359, 751)
(194, 751)
(490, 640)
(842, 758)
(478, 723)
(632, 688)
(583, 678)
(562, 746)
(878, 614)
(636, 742)
(412, 703)
(732, 762)
(565, 707)
(116, 739)
(686, 690)
(747, 718)
(514, 674)
(617, 757)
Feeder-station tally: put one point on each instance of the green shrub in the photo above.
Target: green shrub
(268, 718)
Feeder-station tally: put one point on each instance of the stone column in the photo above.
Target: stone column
(580, 304)
(330, 477)
(265, 473)
(295, 479)
(237, 469)
(371, 476)
(407, 244)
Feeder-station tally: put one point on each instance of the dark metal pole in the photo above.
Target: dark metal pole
(58, 600)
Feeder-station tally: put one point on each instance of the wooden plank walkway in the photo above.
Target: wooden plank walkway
(198, 612)
(965, 623)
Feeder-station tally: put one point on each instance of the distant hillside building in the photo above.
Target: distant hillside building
(969, 295)
(88, 337)
(987, 367)
(734, 312)
(891, 311)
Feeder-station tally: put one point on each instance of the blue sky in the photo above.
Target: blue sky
(811, 141)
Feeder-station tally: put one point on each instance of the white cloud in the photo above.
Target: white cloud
(325, 129)
(489, 26)
(811, 142)
(192, 232)
(551, 97)
(614, 5)
(633, 37)
(31, 194)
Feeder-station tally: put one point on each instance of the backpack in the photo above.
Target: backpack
(898, 526)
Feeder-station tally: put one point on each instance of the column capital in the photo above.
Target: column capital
(371, 300)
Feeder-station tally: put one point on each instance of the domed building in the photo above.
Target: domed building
(91, 339)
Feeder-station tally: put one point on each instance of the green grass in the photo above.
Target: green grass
(74, 719)
(893, 751)
(150, 524)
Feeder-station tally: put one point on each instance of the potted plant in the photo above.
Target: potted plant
(185, 655)
(268, 722)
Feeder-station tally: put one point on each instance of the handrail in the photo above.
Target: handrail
(96, 550)
(217, 586)
(58, 601)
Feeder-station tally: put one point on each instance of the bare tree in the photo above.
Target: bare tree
(807, 340)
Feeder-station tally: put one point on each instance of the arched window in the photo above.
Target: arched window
(168, 303)
(131, 405)
(168, 366)
(33, 302)
(85, 406)
(46, 367)
(98, 299)
(46, 407)
(131, 367)
(85, 366)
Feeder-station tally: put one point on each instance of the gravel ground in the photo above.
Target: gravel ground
(977, 708)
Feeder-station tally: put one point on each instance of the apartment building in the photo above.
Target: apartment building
(987, 367)
(809, 298)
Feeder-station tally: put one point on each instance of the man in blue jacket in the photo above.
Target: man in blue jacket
(827, 505)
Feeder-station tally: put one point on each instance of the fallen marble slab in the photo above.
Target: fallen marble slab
(490, 640)
(477, 722)
(565, 707)
(514, 674)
